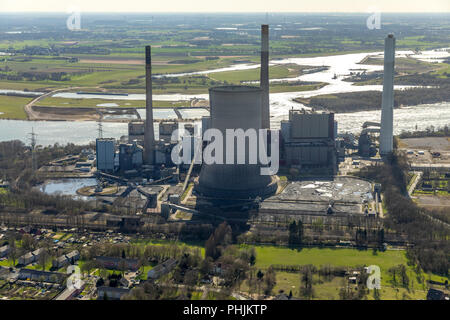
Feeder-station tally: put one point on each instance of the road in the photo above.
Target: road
(32, 115)
(417, 177)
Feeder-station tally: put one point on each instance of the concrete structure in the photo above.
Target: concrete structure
(234, 107)
(387, 109)
(166, 128)
(130, 156)
(105, 154)
(149, 137)
(136, 131)
(264, 77)
(309, 139)
(206, 124)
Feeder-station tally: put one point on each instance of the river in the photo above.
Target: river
(409, 118)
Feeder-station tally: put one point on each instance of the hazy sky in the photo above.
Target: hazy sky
(227, 5)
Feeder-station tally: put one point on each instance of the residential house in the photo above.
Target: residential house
(66, 259)
(4, 251)
(162, 269)
(38, 275)
(30, 257)
(434, 294)
(111, 293)
(114, 263)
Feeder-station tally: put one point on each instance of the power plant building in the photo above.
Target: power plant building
(235, 107)
(136, 131)
(105, 149)
(309, 139)
(130, 156)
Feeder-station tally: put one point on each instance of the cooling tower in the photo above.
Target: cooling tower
(234, 107)
(149, 135)
(387, 108)
(264, 76)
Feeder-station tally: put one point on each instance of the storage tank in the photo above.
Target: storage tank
(235, 107)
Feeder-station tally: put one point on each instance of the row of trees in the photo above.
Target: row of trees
(371, 100)
(430, 237)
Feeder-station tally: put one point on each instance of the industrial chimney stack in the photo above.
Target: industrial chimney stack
(149, 136)
(264, 80)
(387, 109)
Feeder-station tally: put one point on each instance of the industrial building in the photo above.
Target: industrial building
(235, 181)
(130, 156)
(308, 139)
(105, 154)
(166, 128)
(136, 131)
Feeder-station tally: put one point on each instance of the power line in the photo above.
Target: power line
(33, 149)
(100, 129)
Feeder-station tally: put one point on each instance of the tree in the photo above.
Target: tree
(88, 266)
(28, 242)
(12, 254)
(215, 244)
(123, 266)
(190, 278)
(259, 276)
(43, 258)
(270, 280)
(306, 279)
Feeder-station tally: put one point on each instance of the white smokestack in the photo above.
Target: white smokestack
(387, 109)
(149, 135)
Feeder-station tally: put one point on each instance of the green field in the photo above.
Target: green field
(275, 72)
(267, 255)
(93, 103)
(13, 107)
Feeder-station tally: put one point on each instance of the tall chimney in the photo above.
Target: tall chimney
(264, 80)
(149, 135)
(387, 109)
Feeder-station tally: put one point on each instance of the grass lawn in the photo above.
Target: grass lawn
(329, 290)
(13, 107)
(93, 103)
(7, 263)
(151, 242)
(268, 255)
(143, 275)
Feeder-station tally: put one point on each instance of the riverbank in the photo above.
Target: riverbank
(371, 100)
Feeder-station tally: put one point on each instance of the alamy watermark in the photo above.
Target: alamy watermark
(238, 146)
(73, 22)
(374, 20)
(374, 279)
(74, 280)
